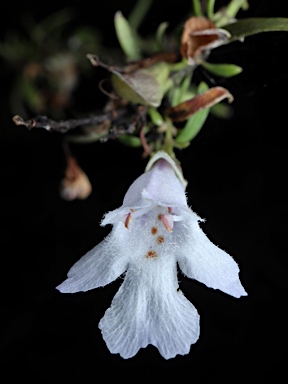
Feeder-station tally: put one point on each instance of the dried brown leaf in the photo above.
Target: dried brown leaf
(212, 96)
(199, 36)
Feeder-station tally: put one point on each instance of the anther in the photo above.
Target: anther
(168, 222)
(128, 219)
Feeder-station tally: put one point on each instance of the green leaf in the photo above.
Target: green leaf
(184, 91)
(195, 122)
(175, 96)
(192, 127)
(144, 86)
(161, 72)
(131, 141)
(251, 26)
(234, 6)
(126, 37)
(155, 116)
(222, 111)
(160, 35)
(202, 87)
(224, 70)
(138, 87)
(227, 14)
(138, 13)
(196, 5)
(210, 9)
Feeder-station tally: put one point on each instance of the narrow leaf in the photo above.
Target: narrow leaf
(221, 110)
(196, 5)
(206, 99)
(126, 37)
(139, 12)
(195, 122)
(155, 116)
(143, 81)
(251, 26)
(160, 35)
(210, 9)
(202, 87)
(234, 6)
(193, 126)
(131, 141)
(138, 87)
(224, 70)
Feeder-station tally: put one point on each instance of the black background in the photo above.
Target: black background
(236, 171)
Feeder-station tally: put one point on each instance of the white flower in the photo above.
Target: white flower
(152, 232)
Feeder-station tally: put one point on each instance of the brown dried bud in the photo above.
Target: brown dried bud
(199, 36)
(75, 184)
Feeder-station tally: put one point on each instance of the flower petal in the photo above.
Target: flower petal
(200, 259)
(160, 185)
(100, 266)
(148, 309)
(174, 163)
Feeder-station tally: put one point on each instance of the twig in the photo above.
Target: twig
(61, 126)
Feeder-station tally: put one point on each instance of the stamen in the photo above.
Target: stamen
(169, 209)
(151, 254)
(128, 219)
(160, 239)
(168, 222)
